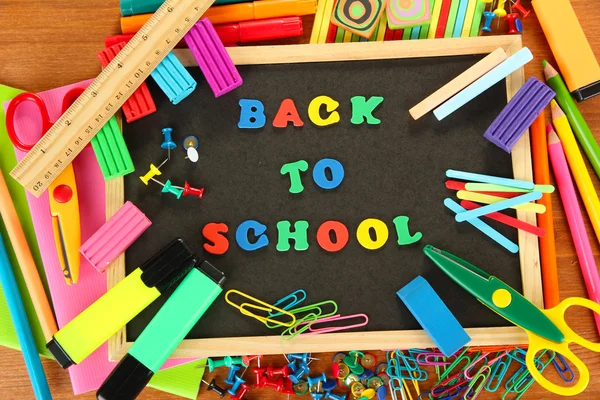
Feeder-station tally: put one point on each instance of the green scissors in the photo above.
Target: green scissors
(546, 329)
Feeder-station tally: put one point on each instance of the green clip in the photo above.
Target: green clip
(111, 151)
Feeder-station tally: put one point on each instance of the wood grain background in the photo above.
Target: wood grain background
(50, 43)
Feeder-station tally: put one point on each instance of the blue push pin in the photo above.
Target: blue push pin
(300, 372)
(329, 395)
(489, 17)
(292, 366)
(317, 396)
(329, 385)
(381, 392)
(238, 382)
(300, 357)
(231, 375)
(168, 143)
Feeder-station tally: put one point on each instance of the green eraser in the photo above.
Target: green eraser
(111, 151)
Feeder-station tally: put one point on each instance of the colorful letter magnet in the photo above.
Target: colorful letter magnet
(519, 114)
(406, 14)
(172, 77)
(212, 58)
(111, 151)
(433, 315)
(140, 103)
(358, 16)
(115, 236)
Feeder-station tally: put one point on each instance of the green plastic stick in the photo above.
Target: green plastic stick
(451, 19)
(407, 34)
(111, 151)
(479, 9)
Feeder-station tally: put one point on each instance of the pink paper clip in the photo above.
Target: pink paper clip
(334, 318)
(487, 364)
(434, 359)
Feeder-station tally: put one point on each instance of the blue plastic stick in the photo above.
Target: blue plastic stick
(460, 18)
(172, 77)
(501, 71)
(434, 316)
(501, 205)
(483, 227)
(24, 334)
(474, 177)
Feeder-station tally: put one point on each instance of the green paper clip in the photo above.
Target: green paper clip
(111, 151)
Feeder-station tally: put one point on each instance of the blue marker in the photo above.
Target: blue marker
(22, 328)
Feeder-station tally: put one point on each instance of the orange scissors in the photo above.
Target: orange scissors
(64, 200)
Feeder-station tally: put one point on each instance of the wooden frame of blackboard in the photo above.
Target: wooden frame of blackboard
(522, 169)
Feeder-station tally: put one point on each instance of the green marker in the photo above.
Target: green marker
(198, 290)
(134, 7)
(580, 127)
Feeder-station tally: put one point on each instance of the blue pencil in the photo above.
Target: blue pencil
(24, 334)
(483, 227)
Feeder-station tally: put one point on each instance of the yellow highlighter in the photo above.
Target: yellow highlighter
(86, 332)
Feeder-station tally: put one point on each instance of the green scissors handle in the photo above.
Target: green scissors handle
(538, 344)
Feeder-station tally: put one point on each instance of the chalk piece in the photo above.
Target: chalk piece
(115, 236)
(358, 16)
(212, 58)
(173, 79)
(140, 103)
(484, 228)
(519, 114)
(406, 14)
(507, 67)
(434, 316)
(459, 83)
(111, 151)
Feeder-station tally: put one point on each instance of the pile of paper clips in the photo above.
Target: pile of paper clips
(297, 319)
(468, 373)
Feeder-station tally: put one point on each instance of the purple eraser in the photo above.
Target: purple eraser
(212, 58)
(519, 114)
(115, 236)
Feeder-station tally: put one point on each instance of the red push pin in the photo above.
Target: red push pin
(188, 190)
(261, 378)
(241, 392)
(519, 7)
(273, 372)
(287, 387)
(276, 384)
(248, 359)
(511, 21)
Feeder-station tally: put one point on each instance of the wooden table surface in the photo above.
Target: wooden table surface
(50, 43)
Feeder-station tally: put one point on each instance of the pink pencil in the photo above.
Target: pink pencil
(574, 218)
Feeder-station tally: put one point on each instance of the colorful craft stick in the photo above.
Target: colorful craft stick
(358, 16)
(487, 199)
(459, 83)
(466, 30)
(510, 65)
(518, 115)
(406, 14)
(435, 18)
(456, 185)
(487, 187)
(452, 13)
(484, 228)
(507, 220)
(460, 18)
(318, 22)
(471, 176)
(479, 9)
(499, 206)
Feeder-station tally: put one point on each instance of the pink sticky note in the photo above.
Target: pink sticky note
(69, 301)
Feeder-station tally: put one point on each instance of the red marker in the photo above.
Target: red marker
(262, 29)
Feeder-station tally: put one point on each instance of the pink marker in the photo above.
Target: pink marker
(574, 218)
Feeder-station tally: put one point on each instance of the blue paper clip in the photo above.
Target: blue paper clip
(565, 371)
(294, 299)
(499, 370)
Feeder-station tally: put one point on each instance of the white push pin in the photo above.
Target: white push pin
(192, 154)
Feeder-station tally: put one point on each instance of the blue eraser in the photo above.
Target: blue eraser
(433, 315)
(173, 79)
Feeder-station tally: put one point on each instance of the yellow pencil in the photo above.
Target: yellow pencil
(577, 166)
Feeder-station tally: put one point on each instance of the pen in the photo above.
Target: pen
(22, 328)
(86, 332)
(182, 310)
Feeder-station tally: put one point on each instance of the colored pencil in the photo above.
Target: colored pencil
(577, 165)
(22, 328)
(26, 263)
(580, 127)
(574, 219)
(541, 175)
(506, 219)
(479, 9)
(466, 30)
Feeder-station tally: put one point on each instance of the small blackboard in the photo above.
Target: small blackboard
(395, 168)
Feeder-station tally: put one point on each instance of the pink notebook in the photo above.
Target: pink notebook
(69, 301)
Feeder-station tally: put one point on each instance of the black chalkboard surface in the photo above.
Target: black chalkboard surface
(396, 168)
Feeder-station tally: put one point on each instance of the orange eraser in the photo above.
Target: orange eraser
(570, 47)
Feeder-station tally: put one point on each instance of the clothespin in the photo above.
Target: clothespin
(154, 171)
(168, 143)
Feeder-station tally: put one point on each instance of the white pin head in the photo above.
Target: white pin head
(192, 154)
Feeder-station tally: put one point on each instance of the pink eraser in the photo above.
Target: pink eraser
(115, 236)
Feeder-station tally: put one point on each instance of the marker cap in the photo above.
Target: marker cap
(126, 381)
(169, 265)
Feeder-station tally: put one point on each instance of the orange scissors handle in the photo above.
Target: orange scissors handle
(538, 344)
(10, 117)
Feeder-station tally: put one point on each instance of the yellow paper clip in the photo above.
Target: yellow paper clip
(261, 306)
